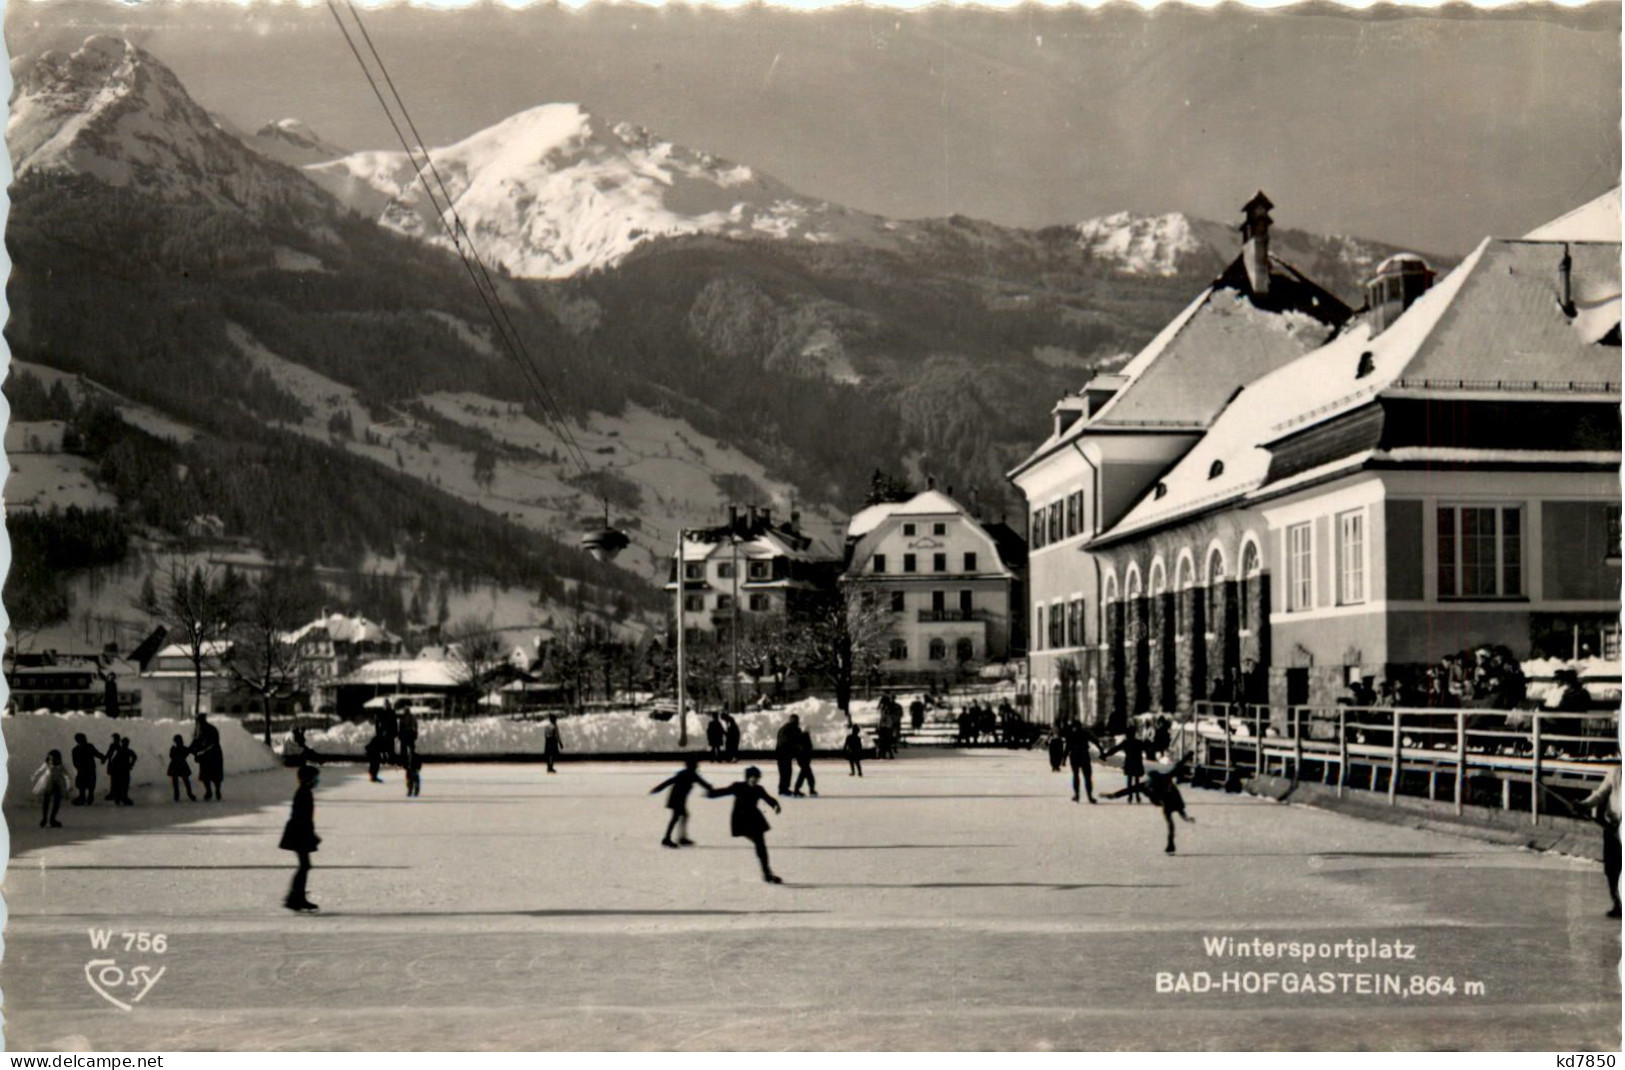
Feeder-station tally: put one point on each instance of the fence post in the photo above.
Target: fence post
(1393, 768)
(1534, 778)
(1342, 749)
(1297, 745)
(1461, 757)
(1227, 765)
(1259, 761)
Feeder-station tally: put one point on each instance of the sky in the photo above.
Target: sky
(1423, 129)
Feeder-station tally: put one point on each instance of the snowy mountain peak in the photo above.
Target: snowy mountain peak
(112, 112)
(292, 142)
(1141, 245)
(554, 191)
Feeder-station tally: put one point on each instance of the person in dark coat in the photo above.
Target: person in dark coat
(681, 784)
(552, 744)
(804, 757)
(406, 730)
(120, 767)
(1057, 751)
(211, 760)
(730, 738)
(299, 836)
(854, 752)
(1161, 786)
(1605, 803)
(715, 737)
(1161, 738)
(111, 760)
(1078, 739)
(1133, 751)
(747, 821)
(784, 751)
(180, 771)
(414, 772)
(84, 757)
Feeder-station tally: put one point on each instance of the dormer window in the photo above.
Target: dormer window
(1215, 470)
(1367, 365)
(1161, 491)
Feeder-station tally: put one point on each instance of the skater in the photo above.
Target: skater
(804, 757)
(1057, 751)
(714, 737)
(1606, 802)
(180, 772)
(119, 768)
(730, 738)
(854, 752)
(85, 756)
(380, 745)
(1133, 757)
(211, 765)
(1078, 739)
(407, 731)
(110, 759)
(784, 750)
(1161, 786)
(681, 783)
(414, 772)
(916, 714)
(51, 786)
(552, 744)
(299, 836)
(747, 821)
(1161, 738)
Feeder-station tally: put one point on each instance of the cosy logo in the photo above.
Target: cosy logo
(126, 983)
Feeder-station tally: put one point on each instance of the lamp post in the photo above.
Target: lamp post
(682, 664)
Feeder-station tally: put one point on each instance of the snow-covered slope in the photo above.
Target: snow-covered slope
(555, 191)
(1141, 245)
(291, 142)
(112, 112)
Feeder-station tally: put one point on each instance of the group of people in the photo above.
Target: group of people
(1485, 678)
(722, 737)
(747, 821)
(52, 783)
(794, 749)
(977, 722)
(1149, 770)
(394, 740)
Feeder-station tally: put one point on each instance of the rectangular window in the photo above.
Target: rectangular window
(909, 563)
(939, 529)
(694, 570)
(760, 603)
(970, 562)
(761, 570)
(694, 603)
(1071, 515)
(1351, 557)
(725, 601)
(1057, 626)
(1037, 539)
(908, 529)
(897, 602)
(1075, 623)
(967, 604)
(1055, 522)
(867, 599)
(1480, 551)
(879, 562)
(939, 602)
(1300, 568)
(939, 562)
(1038, 628)
(725, 570)
(899, 650)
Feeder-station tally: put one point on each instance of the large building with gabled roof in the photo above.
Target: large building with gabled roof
(1441, 475)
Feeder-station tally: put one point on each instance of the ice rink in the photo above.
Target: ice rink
(947, 900)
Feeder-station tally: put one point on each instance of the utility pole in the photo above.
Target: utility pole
(733, 537)
(682, 664)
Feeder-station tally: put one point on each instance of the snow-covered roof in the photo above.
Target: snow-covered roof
(1596, 220)
(925, 503)
(210, 648)
(1493, 324)
(403, 672)
(343, 629)
(769, 542)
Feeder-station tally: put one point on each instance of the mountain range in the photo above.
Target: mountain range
(708, 333)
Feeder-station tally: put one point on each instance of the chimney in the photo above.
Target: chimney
(930, 482)
(1565, 278)
(733, 518)
(767, 516)
(1255, 242)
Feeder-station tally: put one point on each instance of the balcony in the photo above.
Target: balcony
(948, 616)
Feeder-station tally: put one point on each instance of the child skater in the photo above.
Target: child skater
(180, 771)
(748, 822)
(681, 783)
(414, 772)
(1161, 786)
(1133, 757)
(51, 784)
(299, 836)
(854, 752)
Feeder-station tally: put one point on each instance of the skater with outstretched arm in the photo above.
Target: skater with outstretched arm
(180, 771)
(681, 784)
(1133, 751)
(1078, 740)
(747, 821)
(1161, 786)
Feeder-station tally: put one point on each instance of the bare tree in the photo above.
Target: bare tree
(199, 604)
(842, 637)
(262, 659)
(766, 649)
(475, 651)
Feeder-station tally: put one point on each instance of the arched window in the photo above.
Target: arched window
(964, 649)
(1215, 586)
(1159, 578)
(1131, 586)
(1111, 588)
(938, 650)
(899, 650)
(1184, 580)
(1246, 578)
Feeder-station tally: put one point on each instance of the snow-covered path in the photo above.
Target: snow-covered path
(944, 900)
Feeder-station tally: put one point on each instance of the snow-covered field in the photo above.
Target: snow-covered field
(619, 732)
(30, 735)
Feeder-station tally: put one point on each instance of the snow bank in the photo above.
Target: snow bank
(624, 732)
(30, 735)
